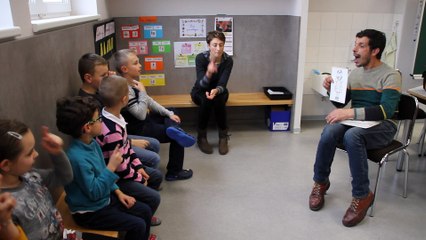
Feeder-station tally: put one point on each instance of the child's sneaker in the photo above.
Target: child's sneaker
(180, 136)
(182, 175)
(155, 221)
(153, 237)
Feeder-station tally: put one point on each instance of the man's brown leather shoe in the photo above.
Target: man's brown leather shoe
(357, 210)
(316, 199)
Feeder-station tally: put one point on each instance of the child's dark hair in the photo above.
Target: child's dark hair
(72, 113)
(376, 39)
(112, 89)
(88, 62)
(215, 34)
(11, 132)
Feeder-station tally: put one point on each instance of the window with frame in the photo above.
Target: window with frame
(7, 28)
(42, 9)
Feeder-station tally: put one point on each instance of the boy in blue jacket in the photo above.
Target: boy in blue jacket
(93, 197)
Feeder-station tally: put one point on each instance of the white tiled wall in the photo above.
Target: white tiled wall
(331, 36)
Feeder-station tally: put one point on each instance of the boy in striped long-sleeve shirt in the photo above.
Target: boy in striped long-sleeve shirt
(136, 179)
(374, 89)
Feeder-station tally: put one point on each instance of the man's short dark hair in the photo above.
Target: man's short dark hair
(376, 38)
(72, 113)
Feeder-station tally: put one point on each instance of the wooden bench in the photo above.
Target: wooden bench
(235, 99)
(70, 224)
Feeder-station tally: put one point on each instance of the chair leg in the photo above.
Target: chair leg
(378, 177)
(407, 157)
(397, 130)
(422, 139)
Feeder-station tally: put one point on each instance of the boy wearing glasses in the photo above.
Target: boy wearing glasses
(93, 197)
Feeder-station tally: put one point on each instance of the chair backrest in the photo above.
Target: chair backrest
(407, 110)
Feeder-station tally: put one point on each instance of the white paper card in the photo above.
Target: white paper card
(361, 124)
(339, 84)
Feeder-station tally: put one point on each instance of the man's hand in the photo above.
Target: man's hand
(340, 114)
(327, 83)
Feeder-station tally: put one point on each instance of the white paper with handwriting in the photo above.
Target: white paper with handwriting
(339, 85)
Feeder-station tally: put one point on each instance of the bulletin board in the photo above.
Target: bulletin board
(420, 60)
(265, 51)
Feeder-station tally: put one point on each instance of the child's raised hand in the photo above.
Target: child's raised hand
(7, 204)
(50, 142)
(115, 159)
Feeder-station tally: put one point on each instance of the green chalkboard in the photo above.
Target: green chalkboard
(420, 61)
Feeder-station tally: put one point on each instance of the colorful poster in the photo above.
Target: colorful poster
(226, 25)
(153, 79)
(152, 63)
(161, 46)
(130, 31)
(141, 47)
(192, 27)
(104, 34)
(153, 31)
(185, 53)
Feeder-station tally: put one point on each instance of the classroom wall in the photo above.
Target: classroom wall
(37, 70)
(264, 56)
(134, 8)
(259, 57)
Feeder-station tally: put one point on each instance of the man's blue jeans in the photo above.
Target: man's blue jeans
(356, 141)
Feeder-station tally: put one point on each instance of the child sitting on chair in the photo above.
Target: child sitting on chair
(35, 210)
(93, 196)
(148, 118)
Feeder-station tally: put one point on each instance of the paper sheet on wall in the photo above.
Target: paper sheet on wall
(226, 25)
(339, 84)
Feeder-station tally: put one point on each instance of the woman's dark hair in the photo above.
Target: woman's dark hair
(215, 34)
(11, 132)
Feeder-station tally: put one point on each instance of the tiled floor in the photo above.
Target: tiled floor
(260, 191)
